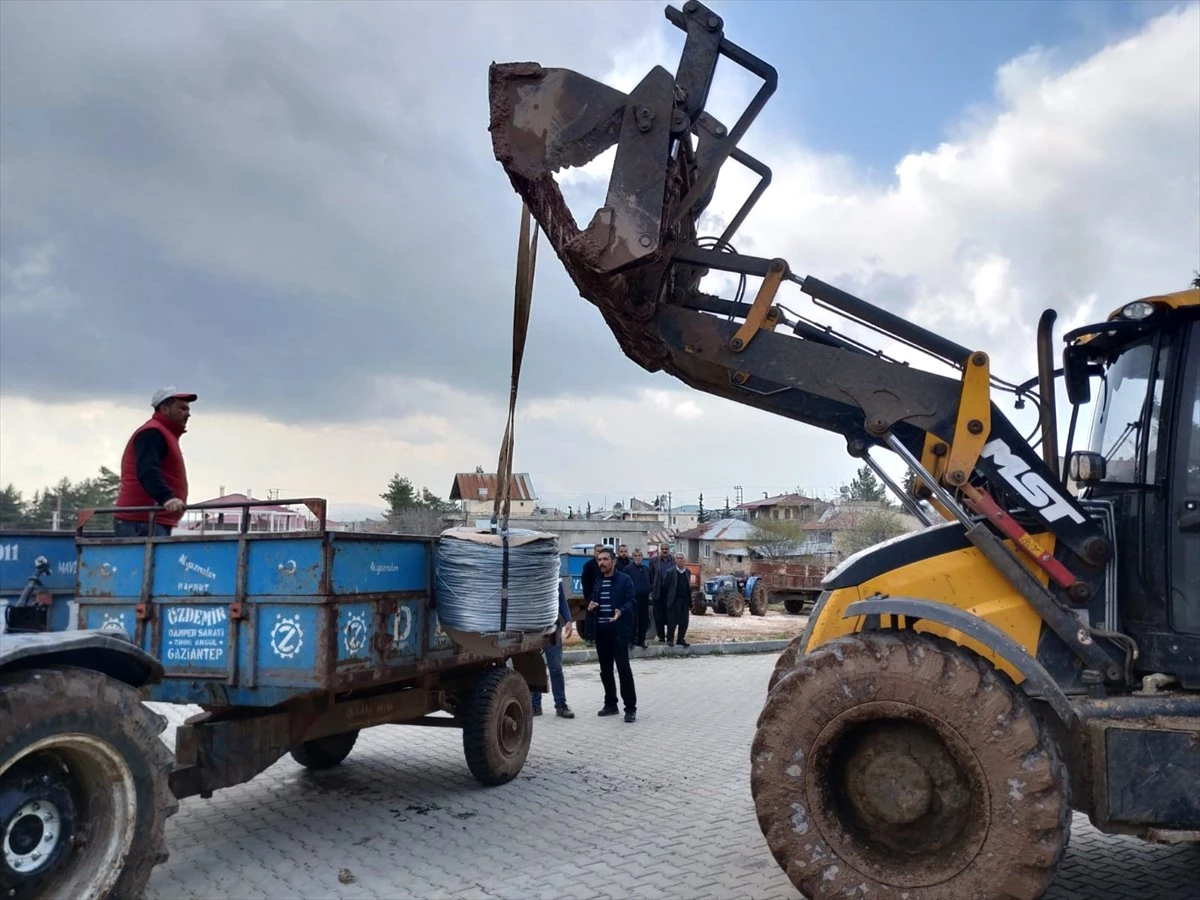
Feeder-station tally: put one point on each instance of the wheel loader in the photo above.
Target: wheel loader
(960, 690)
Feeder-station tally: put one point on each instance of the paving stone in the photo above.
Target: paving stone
(657, 809)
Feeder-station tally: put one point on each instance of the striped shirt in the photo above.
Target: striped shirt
(604, 594)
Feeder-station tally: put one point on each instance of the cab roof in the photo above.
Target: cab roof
(1177, 300)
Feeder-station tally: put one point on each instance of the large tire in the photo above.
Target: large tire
(892, 765)
(82, 768)
(732, 602)
(794, 605)
(786, 661)
(699, 607)
(759, 599)
(497, 724)
(326, 752)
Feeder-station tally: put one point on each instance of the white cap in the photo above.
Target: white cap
(169, 393)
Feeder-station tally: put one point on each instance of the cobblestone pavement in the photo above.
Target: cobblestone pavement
(659, 808)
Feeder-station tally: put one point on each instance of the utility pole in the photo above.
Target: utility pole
(668, 509)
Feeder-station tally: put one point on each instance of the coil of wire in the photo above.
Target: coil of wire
(470, 576)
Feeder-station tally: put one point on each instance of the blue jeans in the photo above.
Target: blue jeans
(558, 684)
(126, 528)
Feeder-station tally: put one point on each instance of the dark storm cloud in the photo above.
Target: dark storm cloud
(276, 203)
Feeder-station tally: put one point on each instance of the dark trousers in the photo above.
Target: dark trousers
(558, 684)
(678, 616)
(611, 646)
(643, 619)
(127, 528)
(660, 618)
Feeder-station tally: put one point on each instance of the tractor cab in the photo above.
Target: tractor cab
(1142, 464)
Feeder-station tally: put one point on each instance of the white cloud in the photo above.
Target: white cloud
(1077, 188)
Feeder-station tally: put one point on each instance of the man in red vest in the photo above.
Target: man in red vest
(152, 469)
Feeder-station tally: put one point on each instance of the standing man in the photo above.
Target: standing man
(591, 571)
(152, 469)
(680, 611)
(613, 604)
(623, 562)
(662, 590)
(553, 654)
(639, 574)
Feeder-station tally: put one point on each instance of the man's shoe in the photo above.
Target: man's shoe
(537, 710)
(684, 644)
(661, 641)
(670, 643)
(564, 712)
(608, 711)
(630, 717)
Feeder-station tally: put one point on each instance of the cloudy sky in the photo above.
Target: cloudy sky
(293, 210)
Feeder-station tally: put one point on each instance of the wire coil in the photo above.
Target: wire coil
(470, 576)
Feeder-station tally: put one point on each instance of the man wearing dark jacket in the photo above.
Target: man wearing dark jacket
(662, 590)
(591, 571)
(613, 603)
(680, 610)
(639, 574)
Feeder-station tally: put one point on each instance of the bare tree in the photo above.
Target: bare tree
(421, 520)
(777, 539)
(869, 527)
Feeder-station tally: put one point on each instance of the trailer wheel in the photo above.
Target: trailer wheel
(759, 599)
(786, 661)
(794, 605)
(896, 764)
(733, 602)
(497, 724)
(84, 795)
(326, 752)
(699, 607)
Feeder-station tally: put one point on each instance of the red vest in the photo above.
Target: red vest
(131, 492)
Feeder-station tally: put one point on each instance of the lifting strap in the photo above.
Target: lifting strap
(522, 300)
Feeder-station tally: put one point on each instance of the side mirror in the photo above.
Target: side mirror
(1077, 375)
(1086, 468)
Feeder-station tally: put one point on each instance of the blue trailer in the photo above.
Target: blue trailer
(289, 642)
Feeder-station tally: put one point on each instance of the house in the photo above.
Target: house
(837, 530)
(589, 532)
(784, 508)
(224, 514)
(476, 493)
(702, 543)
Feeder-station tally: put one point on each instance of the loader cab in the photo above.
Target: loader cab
(1142, 461)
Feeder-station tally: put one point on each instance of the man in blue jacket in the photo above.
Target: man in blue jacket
(554, 662)
(612, 601)
(639, 574)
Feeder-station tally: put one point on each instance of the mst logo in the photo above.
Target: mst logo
(1050, 504)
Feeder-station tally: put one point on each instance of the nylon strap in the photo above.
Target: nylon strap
(522, 301)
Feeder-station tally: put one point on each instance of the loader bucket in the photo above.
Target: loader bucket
(668, 153)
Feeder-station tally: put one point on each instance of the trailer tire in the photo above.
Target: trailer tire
(325, 752)
(497, 725)
(733, 602)
(87, 770)
(896, 763)
(794, 605)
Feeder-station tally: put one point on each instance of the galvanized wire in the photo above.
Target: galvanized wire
(469, 579)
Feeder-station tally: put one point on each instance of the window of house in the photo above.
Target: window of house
(707, 549)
